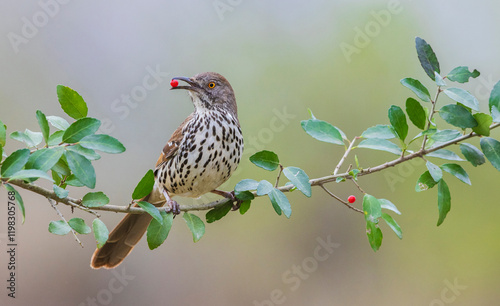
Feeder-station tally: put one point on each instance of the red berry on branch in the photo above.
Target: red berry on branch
(351, 199)
(174, 83)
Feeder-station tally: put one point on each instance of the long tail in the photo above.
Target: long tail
(122, 240)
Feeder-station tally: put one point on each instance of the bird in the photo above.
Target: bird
(200, 155)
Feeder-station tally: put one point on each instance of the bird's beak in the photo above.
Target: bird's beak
(193, 84)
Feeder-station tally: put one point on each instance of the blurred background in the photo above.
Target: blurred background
(341, 59)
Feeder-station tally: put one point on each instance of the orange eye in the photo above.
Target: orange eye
(211, 85)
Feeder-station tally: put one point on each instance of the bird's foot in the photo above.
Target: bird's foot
(173, 207)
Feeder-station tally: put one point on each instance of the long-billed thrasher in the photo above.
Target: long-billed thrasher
(200, 155)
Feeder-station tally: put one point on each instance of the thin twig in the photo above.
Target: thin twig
(431, 115)
(357, 185)
(340, 200)
(278, 177)
(54, 205)
(344, 156)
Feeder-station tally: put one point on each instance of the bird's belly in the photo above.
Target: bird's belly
(203, 169)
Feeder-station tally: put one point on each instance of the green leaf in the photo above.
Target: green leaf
(244, 195)
(87, 153)
(386, 204)
(71, 180)
(444, 201)
(457, 171)
(246, 184)
(82, 168)
(30, 138)
(380, 144)
(483, 124)
(298, 178)
(59, 227)
(195, 224)
(445, 154)
(244, 207)
(30, 173)
(95, 199)
(380, 131)
(18, 198)
(445, 135)
(266, 160)
(462, 96)
(416, 113)
(145, 186)
(71, 102)
(22, 137)
(439, 79)
(472, 154)
(81, 128)
(418, 88)
(218, 212)
(101, 232)
(354, 173)
(264, 188)
(44, 125)
(435, 171)
(374, 235)
(3, 134)
(44, 159)
(58, 122)
(15, 162)
(393, 225)
(61, 167)
(158, 232)
(102, 142)
(56, 138)
(427, 57)
(458, 116)
(60, 192)
(495, 96)
(495, 113)
(322, 131)
(398, 121)
(491, 149)
(462, 74)
(279, 199)
(151, 209)
(371, 208)
(78, 224)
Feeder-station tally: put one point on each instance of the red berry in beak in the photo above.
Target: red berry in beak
(174, 83)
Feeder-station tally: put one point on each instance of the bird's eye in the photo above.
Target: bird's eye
(211, 85)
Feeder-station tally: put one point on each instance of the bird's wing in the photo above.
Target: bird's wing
(172, 146)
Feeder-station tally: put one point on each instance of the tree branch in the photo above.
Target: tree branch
(314, 182)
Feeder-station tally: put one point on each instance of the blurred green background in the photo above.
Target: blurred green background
(281, 58)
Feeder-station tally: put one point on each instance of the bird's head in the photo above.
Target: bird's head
(209, 90)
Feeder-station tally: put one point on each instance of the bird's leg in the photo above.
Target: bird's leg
(231, 196)
(174, 206)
